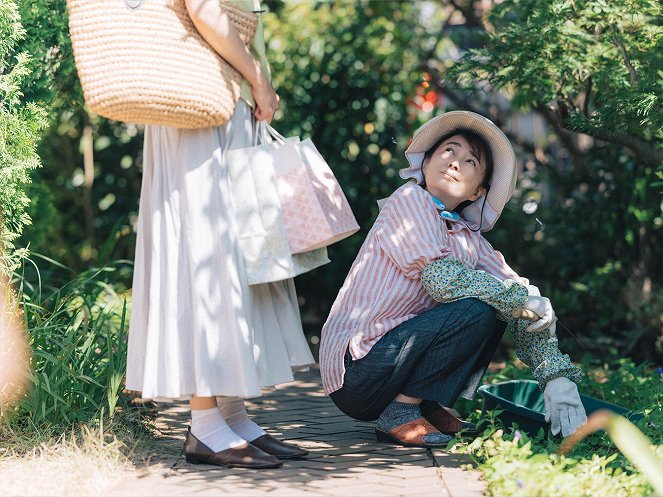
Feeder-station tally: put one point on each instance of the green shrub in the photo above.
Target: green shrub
(78, 335)
(20, 130)
(517, 465)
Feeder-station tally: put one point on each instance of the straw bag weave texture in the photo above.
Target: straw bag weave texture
(144, 62)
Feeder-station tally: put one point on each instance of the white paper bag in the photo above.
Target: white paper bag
(261, 231)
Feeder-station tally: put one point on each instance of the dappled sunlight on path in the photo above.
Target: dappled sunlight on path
(344, 457)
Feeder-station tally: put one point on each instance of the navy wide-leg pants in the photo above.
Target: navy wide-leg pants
(437, 356)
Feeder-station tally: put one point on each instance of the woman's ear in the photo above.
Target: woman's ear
(480, 191)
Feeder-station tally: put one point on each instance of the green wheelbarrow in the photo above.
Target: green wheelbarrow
(522, 402)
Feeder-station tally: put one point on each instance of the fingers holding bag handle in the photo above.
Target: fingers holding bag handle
(263, 133)
(266, 100)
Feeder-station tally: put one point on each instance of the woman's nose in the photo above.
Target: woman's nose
(455, 165)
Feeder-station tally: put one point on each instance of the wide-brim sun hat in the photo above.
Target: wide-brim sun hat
(503, 180)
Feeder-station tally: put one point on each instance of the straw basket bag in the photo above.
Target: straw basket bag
(143, 61)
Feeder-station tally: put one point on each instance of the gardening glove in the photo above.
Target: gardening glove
(552, 329)
(541, 307)
(564, 410)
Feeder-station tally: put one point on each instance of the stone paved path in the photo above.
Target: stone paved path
(345, 460)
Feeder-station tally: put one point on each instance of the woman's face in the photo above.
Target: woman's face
(453, 173)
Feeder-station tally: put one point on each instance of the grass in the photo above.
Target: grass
(77, 334)
(514, 464)
(73, 432)
(81, 461)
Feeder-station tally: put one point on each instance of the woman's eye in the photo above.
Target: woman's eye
(472, 162)
(449, 150)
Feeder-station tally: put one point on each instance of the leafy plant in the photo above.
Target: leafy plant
(515, 464)
(77, 334)
(595, 64)
(20, 129)
(628, 438)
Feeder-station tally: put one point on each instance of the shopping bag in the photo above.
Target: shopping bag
(261, 230)
(315, 211)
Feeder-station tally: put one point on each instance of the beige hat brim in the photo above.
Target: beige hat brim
(503, 180)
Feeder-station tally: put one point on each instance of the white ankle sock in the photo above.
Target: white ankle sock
(233, 411)
(208, 426)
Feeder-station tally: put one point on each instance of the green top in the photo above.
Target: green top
(257, 47)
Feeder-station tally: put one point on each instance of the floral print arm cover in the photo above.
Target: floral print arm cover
(447, 280)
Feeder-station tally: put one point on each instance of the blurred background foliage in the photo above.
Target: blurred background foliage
(577, 85)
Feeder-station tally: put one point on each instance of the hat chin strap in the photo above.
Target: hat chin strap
(483, 206)
(416, 173)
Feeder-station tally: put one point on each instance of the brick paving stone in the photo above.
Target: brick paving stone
(345, 459)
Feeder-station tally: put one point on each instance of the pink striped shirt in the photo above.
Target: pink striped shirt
(383, 288)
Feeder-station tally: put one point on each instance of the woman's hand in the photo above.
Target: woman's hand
(215, 27)
(541, 307)
(267, 101)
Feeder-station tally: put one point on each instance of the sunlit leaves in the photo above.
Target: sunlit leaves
(20, 129)
(599, 60)
(345, 72)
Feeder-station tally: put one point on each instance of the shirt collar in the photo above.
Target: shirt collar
(444, 213)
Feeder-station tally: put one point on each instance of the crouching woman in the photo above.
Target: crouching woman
(425, 303)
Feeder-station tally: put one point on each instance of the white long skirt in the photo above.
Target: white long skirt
(197, 327)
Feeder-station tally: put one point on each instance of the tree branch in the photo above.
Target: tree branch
(556, 120)
(468, 13)
(631, 70)
(588, 93)
(645, 152)
(648, 154)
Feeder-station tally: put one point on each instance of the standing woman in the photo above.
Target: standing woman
(198, 331)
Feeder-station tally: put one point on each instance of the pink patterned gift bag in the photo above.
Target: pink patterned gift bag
(314, 208)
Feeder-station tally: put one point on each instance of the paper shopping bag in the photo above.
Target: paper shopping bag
(315, 211)
(258, 212)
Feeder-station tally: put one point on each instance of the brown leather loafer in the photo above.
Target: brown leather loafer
(244, 456)
(411, 435)
(449, 424)
(276, 447)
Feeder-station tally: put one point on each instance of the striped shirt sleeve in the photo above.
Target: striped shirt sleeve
(408, 232)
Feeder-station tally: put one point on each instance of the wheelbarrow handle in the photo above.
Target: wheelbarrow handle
(525, 314)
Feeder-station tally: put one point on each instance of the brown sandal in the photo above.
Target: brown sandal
(411, 434)
(449, 424)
